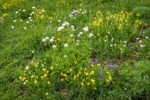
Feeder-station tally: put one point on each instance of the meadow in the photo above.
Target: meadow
(74, 50)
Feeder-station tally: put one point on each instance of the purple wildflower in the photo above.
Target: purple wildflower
(95, 61)
(113, 67)
(101, 75)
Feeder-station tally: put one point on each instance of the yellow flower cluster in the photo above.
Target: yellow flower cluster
(109, 77)
(11, 4)
(4, 15)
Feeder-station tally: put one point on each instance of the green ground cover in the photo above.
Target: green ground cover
(74, 49)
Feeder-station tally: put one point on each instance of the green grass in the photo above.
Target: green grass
(17, 46)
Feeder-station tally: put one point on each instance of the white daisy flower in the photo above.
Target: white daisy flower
(20, 20)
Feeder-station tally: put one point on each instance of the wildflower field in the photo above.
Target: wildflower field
(74, 50)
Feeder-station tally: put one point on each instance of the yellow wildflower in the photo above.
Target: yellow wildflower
(82, 84)
(48, 82)
(45, 75)
(43, 69)
(88, 83)
(100, 20)
(74, 77)
(20, 77)
(98, 64)
(64, 75)
(86, 73)
(35, 81)
(92, 81)
(5, 14)
(92, 72)
(71, 70)
(46, 93)
(51, 68)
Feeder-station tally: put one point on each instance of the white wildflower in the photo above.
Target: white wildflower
(141, 45)
(47, 38)
(43, 10)
(27, 22)
(33, 7)
(86, 29)
(27, 67)
(43, 40)
(146, 37)
(66, 45)
(32, 51)
(72, 26)
(25, 28)
(16, 12)
(81, 33)
(65, 56)
(14, 21)
(59, 21)
(71, 35)
(65, 24)
(140, 41)
(24, 83)
(54, 46)
(12, 27)
(23, 10)
(51, 40)
(60, 28)
(90, 35)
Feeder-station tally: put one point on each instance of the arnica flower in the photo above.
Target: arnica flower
(82, 84)
(35, 81)
(48, 82)
(92, 72)
(113, 67)
(101, 75)
(46, 93)
(92, 81)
